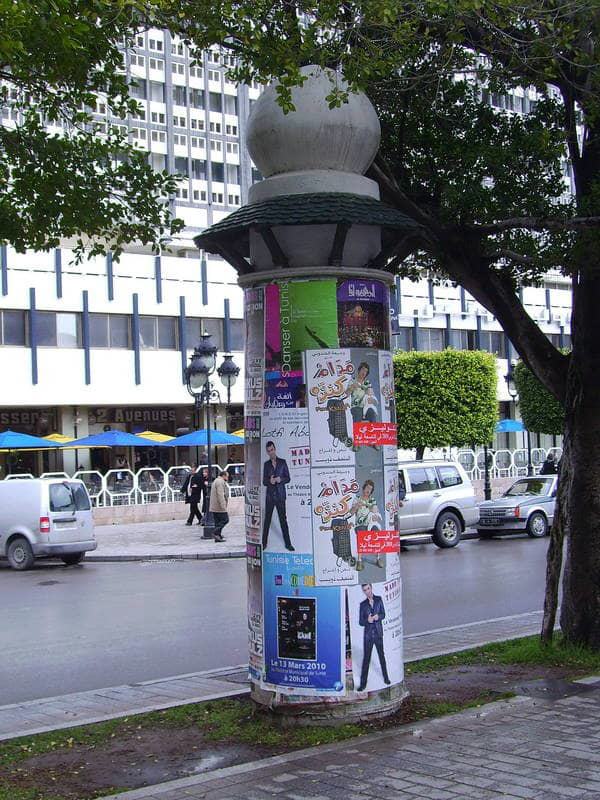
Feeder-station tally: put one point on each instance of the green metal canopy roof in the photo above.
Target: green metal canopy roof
(230, 236)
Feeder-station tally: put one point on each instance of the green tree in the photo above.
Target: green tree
(445, 398)
(540, 411)
(485, 188)
(58, 59)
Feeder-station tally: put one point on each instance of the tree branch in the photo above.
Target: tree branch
(537, 224)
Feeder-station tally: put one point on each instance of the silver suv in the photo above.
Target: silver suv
(437, 499)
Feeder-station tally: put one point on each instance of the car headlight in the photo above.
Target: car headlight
(513, 512)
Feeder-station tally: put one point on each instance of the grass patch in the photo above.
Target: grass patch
(526, 651)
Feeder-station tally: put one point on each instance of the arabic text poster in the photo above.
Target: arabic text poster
(252, 477)
(329, 374)
(375, 613)
(285, 479)
(285, 392)
(334, 495)
(388, 401)
(303, 631)
(255, 611)
(392, 499)
(374, 541)
(255, 349)
(363, 313)
(308, 316)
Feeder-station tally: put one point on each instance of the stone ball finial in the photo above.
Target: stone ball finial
(314, 136)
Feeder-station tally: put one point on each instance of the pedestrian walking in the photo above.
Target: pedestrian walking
(219, 498)
(193, 495)
(549, 466)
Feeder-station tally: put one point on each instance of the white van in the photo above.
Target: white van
(45, 518)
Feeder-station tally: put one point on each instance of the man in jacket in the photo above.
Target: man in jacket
(275, 476)
(193, 489)
(219, 498)
(371, 615)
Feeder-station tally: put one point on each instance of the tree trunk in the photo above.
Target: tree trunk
(554, 558)
(580, 470)
(420, 452)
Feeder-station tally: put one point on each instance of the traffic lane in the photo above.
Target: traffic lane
(100, 624)
(97, 625)
(474, 581)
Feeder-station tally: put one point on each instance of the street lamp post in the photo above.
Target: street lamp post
(514, 395)
(203, 364)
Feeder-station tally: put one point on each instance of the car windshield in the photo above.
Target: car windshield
(531, 486)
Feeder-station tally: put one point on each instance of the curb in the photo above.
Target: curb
(165, 556)
(412, 731)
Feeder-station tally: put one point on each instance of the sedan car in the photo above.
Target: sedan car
(527, 507)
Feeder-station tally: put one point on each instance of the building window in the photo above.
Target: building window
(177, 48)
(158, 333)
(137, 89)
(233, 147)
(12, 328)
(180, 139)
(177, 68)
(157, 91)
(216, 146)
(137, 61)
(231, 104)
(138, 133)
(200, 195)
(179, 122)
(196, 72)
(233, 199)
(179, 97)
(233, 173)
(109, 330)
(236, 334)
(195, 327)
(231, 130)
(197, 124)
(158, 117)
(197, 98)
(217, 197)
(182, 194)
(159, 136)
(218, 171)
(198, 169)
(215, 101)
(214, 75)
(199, 142)
(155, 44)
(404, 339)
(215, 127)
(493, 342)
(431, 339)
(181, 165)
(57, 330)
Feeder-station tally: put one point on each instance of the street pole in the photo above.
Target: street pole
(487, 489)
(529, 464)
(207, 532)
(197, 405)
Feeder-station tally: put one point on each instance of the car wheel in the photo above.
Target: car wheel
(72, 558)
(19, 554)
(537, 525)
(485, 534)
(448, 530)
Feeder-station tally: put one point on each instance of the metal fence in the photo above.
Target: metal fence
(119, 487)
(504, 463)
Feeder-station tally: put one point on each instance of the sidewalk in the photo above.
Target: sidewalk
(81, 708)
(520, 748)
(165, 540)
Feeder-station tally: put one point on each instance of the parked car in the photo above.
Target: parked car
(45, 518)
(527, 507)
(438, 500)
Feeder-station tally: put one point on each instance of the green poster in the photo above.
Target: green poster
(308, 318)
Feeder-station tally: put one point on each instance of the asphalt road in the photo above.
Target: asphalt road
(72, 629)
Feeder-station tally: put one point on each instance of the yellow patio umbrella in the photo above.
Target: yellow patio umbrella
(59, 438)
(155, 437)
(239, 433)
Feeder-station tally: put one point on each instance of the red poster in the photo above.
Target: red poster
(377, 542)
(374, 433)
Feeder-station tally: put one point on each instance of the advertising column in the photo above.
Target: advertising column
(324, 591)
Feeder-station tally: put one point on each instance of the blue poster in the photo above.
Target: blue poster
(302, 627)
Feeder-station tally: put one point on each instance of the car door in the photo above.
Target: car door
(62, 513)
(83, 511)
(424, 496)
(405, 517)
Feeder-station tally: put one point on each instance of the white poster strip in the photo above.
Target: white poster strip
(375, 612)
(285, 499)
(388, 404)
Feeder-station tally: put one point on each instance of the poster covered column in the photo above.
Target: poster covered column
(325, 618)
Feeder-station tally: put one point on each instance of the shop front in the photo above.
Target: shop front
(36, 422)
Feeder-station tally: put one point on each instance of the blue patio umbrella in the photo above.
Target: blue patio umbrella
(509, 426)
(12, 440)
(114, 439)
(199, 439)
